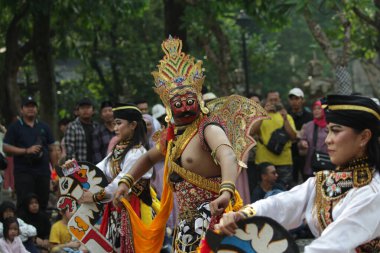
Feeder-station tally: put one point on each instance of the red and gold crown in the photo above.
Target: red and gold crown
(177, 74)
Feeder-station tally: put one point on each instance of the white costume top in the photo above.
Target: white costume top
(356, 218)
(126, 164)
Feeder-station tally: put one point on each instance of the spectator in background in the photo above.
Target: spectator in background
(27, 232)
(143, 106)
(60, 238)
(267, 185)
(273, 97)
(104, 132)
(306, 143)
(78, 137)
(30, 141)
(255, 97)
(11, 242)
(31, 213)
(300, 117)
(159, 113)
(279, 118)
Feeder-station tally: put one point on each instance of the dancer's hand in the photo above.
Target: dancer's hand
(218, 206)
(227, 224)
(86, 197)
(121, 192)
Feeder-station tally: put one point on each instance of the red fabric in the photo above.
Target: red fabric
(204, 247)
(103, 225)
(170, 132)
(135, 203)
(321, 122)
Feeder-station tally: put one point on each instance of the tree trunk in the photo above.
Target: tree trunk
(42, 54)
(13, 58)
(174, 11)
(98, 69)
(221, 58)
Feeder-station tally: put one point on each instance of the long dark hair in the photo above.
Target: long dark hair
(373, 150)
(139, 136)
(7, 223)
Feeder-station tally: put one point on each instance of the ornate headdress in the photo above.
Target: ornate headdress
(177, 74)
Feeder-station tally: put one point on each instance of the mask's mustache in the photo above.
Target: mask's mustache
(188, 113)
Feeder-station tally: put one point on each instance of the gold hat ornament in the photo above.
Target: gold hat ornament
(178, 74)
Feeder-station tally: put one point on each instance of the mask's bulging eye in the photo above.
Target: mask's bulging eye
(190, 102)
(177, 104)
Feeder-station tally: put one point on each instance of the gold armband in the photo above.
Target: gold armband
(128, 180)
(213, 153)
(248, 211)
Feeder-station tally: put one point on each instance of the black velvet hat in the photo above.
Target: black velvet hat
(127, 111)
(353, 111)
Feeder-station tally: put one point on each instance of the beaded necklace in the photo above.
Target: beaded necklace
(117, 156)
(332, 186)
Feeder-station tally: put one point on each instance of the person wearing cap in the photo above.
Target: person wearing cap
(340, 206)
(104, 132)
(31, 143)
(131, 130)
(300, 117)
(78, 136)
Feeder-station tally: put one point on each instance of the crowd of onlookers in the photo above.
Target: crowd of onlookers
(283, 157)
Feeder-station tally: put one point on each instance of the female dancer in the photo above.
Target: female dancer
(131, 131)
(339, 206)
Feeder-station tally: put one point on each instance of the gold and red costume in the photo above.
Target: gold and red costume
(179, 75)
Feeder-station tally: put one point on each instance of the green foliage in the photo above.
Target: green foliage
(122, 38)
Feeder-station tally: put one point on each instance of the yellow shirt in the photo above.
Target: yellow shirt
(59, 233)
(266, 129)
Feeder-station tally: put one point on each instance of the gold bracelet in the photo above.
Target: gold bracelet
(228, 184)
(130, 179)
(130, 176)
(227, 190)
(125, 181)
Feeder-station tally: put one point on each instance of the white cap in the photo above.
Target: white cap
(208, 96)
(158, 110)
(376, 100)
(296, 92)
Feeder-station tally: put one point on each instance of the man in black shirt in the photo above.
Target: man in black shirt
(30, 141)
(300, 117)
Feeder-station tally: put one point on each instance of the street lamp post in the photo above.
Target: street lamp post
(244, 21)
